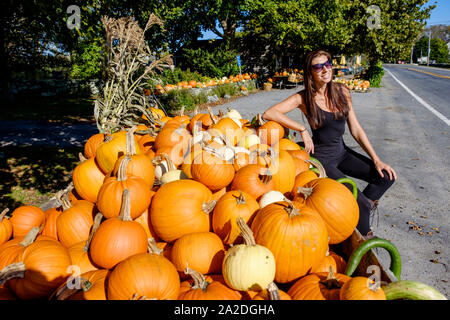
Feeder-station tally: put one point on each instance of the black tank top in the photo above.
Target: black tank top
(328, 139)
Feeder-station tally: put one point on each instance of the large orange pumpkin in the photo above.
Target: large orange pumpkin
(118, 238)
(111, 149)
(283, 171)
(79, 252)
(212, 170)
(74, 223)
(41, 268)
(145, 275)
(318, 286)
(231, 205)
(109, 199)
(139, 165)
(202, 288)
(202, 251)
(336, 205)
(297, 237)
(24, 218)
(92, 286)
(87, 179)
(181, 207)
(270, 133)
(361, 288)
(254, 179)
(91, 145)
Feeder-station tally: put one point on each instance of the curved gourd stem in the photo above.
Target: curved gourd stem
(359, 252)
(81, 157)
(317, 167)
(122, 171)
(14, 270)
(97, 220)
(199, 279)
(130, 142)
(350, 181)
(152, 246)
(411, 290)
(246, 232)
(124, 214)
(65, 292)
(30, 237)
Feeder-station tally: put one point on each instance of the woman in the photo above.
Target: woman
(327, 106)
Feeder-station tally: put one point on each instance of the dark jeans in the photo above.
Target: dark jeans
(360, 167)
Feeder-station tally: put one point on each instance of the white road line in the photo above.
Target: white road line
(419, 99)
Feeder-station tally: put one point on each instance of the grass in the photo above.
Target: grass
(31, 175)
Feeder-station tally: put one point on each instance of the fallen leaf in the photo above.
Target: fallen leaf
(434, 261)
(415, 159)
(437, 252)
(435, 229)
(393, 225)
(421, 233)
(424, 217)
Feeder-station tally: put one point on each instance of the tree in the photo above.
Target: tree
(296, 27)
(389, 31)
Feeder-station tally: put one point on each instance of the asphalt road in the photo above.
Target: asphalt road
(415, 212)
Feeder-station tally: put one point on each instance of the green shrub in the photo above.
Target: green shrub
(217, 63)
(374, 74)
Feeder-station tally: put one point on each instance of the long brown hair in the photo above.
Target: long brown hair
(334, 93)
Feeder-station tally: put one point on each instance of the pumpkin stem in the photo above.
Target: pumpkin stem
(265, 178)
(240, 199)
(246, 232)
(199, 279)
(152, 246)
(108, 137)
(291, 210)
(30, 237)
(14, 270)
(124, 214)
(274, 293)
(97, 220)
(81, 157)
(122, 172)
(170, 165)
(2, 215)
(65, 292)
(319, 166)
(213, 117)
(130, 142)
(63, 198)
(306, 192)
(331, 282)
(260, 119)
(208, 207)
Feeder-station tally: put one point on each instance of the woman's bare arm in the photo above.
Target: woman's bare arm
(278, 113)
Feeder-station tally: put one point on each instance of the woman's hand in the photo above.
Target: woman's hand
(380, 166)
(309, 145)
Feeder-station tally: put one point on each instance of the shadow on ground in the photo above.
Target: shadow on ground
(32, 174)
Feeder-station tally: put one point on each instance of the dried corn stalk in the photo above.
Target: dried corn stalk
(130, 64)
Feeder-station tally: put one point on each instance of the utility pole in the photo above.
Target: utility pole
(429, 40)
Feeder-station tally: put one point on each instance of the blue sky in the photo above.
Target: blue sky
(439, 15)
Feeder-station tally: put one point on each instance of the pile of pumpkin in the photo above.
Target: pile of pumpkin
(163, 89)
(206, 207)
(357, 85)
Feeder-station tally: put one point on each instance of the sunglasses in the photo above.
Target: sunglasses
(319, 66)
